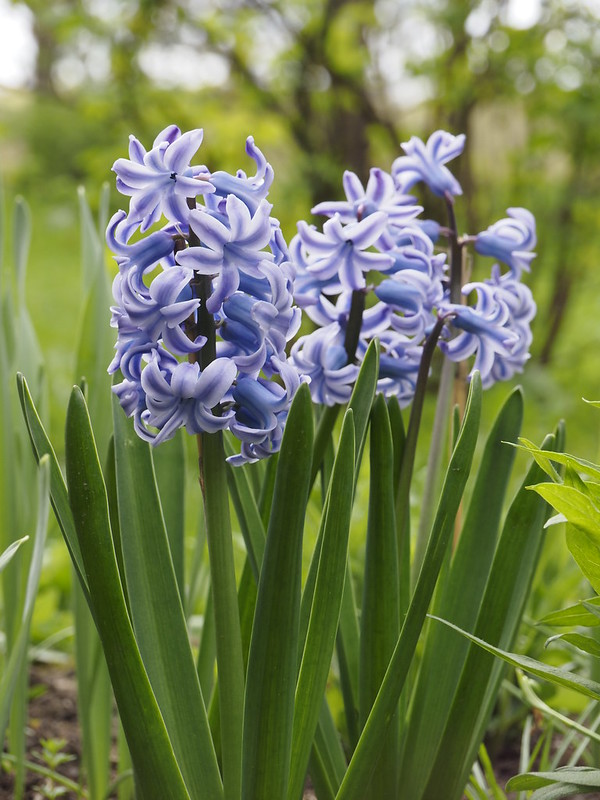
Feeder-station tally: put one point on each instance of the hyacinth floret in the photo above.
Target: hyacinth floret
(160, 180)
(392, 280)
(510, 240)
(218, 271)
(426, 163)
(381, 194)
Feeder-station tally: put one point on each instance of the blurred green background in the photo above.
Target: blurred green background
(323, 85)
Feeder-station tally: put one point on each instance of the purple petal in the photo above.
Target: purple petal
(365, 232)
(179, 154)
(215, 380)
(353, 188)
(168, 134)
(209, 230)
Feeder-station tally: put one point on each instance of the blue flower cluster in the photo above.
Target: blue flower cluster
(204, 305)
(374, 243)
(208, 298)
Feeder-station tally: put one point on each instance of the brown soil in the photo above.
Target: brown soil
(52, 715)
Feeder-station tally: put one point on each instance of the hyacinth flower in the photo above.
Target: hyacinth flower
(426, 162)
(414, 282)
(206, 342)
(160, 180)
(510, 240)
(412, 299)
(213, 285)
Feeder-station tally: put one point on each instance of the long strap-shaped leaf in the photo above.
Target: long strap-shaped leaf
(325, 611)
(58, 491)
(380, 612)
(364, 759)
(16, 661)
(154, 763)
(157, 613)
(272, 661)
(460, 600)
(348, 641)
(499, 616)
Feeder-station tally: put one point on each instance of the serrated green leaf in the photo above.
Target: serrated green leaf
(577, 506)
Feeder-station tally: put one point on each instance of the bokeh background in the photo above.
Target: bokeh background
(323, 85)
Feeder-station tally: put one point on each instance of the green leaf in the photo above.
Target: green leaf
(581, 776)
(152, 755)
(272, 661)
(361, 401)
(579, 464)
(348, 640)
(380, 611)
(561, 677)
(577, 614)
(583, 532)
(577, 506)
(585, 643)
(169, 465)
(325, 611)
(558, 791)
(248, 514)
(229, 698)
(501, 609)
(157, 612)
(10, 551)
(21, 242)
(18, 654)
(364, 759)
(460, 600)
(58, 491)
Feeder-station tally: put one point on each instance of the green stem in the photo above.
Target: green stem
(357, 307)
(330, 413)
(455, 253)
(412, 434)
(230, 664)
(213, 481)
